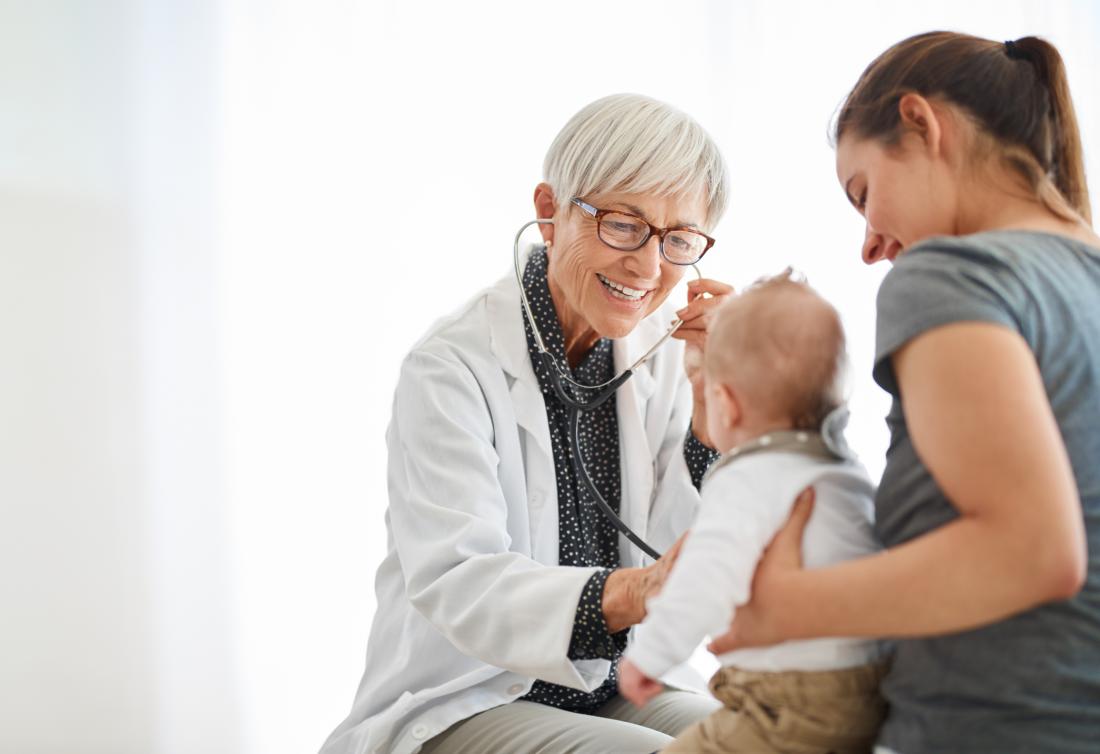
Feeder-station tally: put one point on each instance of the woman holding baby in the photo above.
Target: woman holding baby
(964, 157)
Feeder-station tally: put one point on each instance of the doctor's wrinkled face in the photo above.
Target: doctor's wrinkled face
(599, 291)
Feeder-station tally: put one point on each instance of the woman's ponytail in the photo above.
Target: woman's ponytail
(1068, 165)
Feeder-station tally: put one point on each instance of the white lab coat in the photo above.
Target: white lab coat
(472, 605)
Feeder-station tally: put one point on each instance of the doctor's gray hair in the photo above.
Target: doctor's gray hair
(629, 143)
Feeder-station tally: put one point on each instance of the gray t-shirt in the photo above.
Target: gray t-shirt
(1030, 683)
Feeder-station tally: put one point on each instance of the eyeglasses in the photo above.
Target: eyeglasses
(627, 232)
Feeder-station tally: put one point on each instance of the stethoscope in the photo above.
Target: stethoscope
(589, 397)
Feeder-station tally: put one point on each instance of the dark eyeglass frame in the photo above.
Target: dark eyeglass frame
(652, 230)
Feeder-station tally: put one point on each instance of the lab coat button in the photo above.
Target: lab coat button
(420, 731)
(515, 688)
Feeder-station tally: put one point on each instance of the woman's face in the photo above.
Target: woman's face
(603, 292)
(905, 193)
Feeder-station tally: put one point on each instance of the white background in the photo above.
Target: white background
(221, 226)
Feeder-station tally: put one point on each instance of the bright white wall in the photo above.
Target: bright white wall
(115, 635)
(75, 634)
(202, 311)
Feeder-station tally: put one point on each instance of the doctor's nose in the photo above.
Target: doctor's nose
(646, 261)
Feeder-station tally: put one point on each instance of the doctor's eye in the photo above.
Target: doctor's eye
(622, 231)
(623, 226)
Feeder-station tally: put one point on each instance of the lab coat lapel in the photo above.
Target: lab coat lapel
(509, 345)
(637, 460)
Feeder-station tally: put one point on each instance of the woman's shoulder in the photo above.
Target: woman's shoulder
(948, 266)
(994, 250)
(1012, 268)
(945, 280)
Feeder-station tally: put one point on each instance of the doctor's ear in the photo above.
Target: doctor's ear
(545, 206)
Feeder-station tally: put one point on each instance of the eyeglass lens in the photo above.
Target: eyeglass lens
(627, 233)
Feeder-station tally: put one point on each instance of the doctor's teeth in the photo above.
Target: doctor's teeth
(622, 291)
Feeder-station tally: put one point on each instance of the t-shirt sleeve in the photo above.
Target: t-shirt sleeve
(936, 284)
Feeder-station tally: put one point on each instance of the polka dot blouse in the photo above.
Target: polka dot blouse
(585, 536)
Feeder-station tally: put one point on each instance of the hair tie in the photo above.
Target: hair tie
(1013, 51)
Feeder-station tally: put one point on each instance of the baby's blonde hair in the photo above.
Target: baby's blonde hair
(782, 347)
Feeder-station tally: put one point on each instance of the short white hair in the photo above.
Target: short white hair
(634, 144)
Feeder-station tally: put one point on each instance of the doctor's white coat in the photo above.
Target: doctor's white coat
(472, 604)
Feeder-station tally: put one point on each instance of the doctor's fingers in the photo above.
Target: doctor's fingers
(692, 336)
(700, 312)
(707, 286)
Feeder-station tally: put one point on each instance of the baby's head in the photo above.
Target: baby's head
(775, 359)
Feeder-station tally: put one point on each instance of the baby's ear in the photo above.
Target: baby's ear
(729, 407)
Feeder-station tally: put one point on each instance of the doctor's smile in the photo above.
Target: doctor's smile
(623, 292)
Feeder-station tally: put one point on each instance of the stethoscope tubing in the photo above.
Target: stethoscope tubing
(586, 480)
(576, 405)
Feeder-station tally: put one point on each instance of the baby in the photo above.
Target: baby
(774, 371)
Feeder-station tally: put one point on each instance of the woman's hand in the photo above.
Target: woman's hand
(704, 298)
(627, 589)
(635, 685)
(763, 621)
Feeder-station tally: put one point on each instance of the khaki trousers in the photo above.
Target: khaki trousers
(826, 712)
(616, 728)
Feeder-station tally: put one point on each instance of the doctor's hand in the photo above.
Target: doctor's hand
(704, 298)
(770, 617)
(627, 589)
(635, 685)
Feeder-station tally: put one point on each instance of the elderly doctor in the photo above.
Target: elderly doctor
(506, 594)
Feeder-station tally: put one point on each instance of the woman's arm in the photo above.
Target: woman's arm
(980, 421)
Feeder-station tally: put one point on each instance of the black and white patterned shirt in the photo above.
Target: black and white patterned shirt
(585, 536)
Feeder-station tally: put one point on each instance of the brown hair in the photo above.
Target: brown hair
(783, 346)
(1015, 92)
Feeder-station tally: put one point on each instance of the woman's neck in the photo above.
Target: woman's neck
(1008, 208)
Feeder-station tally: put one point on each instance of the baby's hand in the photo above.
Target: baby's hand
(635, 685)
